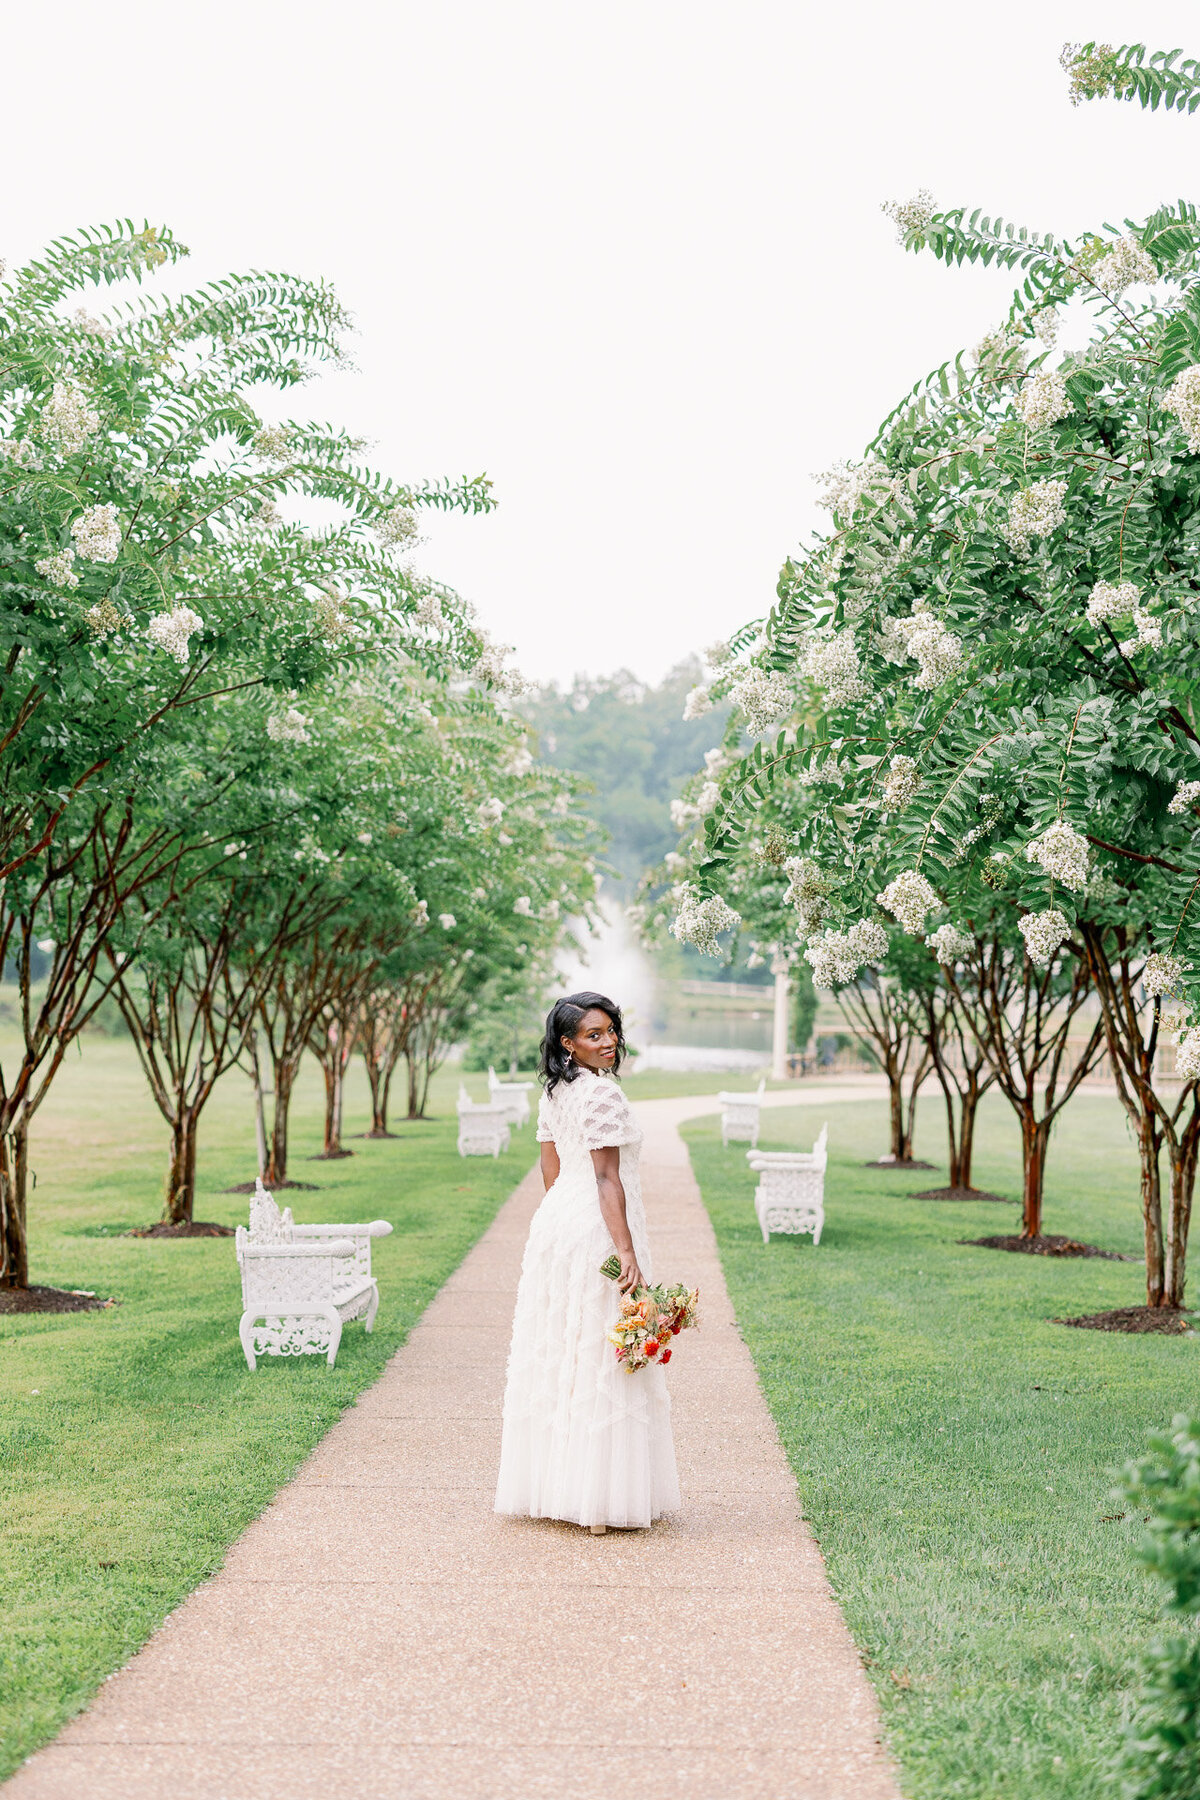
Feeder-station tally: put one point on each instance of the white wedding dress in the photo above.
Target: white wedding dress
(584, 1439)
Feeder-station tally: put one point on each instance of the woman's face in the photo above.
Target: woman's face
(594, 1045)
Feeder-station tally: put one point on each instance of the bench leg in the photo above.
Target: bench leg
(246, 1333)
(372, 1305)
(818, 1229)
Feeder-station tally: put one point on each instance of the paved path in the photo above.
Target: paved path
(379, 1633)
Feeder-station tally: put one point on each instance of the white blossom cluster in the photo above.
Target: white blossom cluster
(421, 912)
(1035, 511)
(1182, 399)
(845, 487)
(1043, 933)
(429, 611)
(396, 528)
(832, 662)
(172, 631)
(1001, 352)
(1044, 322)
(1044, 399)
(490, 812)
(273, 443)
(949, 944)
(674, 863)
(1112, 600)
(910, 217)
(1149, 633)
(683, 814)
(489, 666)
(1163, 974)
(1185, 797)
(265, 517)
(717, 654)
(289, 727)
(763, 695)
(1125, 264)
(97, 534)
(333, 620)
(519, 760)
(447, 921)
(1063, 853)
(909, 898)
(936, 649)
(901, 782)
(1187, 1053)
(837, 956)
(716, 761)
(59, 569)
(708, 799)
(822, 774)
(1091, 76)
(86, 322)
(104, 618)
(701, 922)
(807, 891)
(523, 906)
(697, 703)
(67, 421)
(22, 451)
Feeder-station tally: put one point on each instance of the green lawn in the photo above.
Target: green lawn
(953, 1447)
(147, 1445)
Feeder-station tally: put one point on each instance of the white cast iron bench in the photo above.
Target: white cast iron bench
(740, 1114)
(513, 1096)
(483, 1129)
(302, 1283)
(790, 1196)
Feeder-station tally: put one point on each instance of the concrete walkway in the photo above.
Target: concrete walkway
(379, 1633)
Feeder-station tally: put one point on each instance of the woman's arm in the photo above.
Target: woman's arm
(607, 1164)
(549, 1165)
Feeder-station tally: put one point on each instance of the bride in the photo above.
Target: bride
(584, 1439)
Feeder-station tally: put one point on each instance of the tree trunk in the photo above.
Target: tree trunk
(1183, 1184)
(897, 1150)
(14, 1163)
(414, 1086)
(333, 1074)
(964, 1150)
(1035, 1141)
(179, 1198)
(1149, 1145)
(277, 1159)
(379, 1080)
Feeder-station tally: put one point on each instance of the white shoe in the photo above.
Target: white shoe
(599, 1530)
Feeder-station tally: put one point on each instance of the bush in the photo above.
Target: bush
(1161, 1754)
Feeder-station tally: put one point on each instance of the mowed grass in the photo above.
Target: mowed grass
(953, 1447)
(148, 1445)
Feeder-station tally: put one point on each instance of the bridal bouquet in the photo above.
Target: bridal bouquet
(650, 1318)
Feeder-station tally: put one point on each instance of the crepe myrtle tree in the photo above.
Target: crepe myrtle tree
(145, 570)
(1002, 627)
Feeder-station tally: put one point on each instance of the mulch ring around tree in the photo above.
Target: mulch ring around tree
(189, 1229)
(273, 1187)
(51, 1300)
(892, 1162)
(962, 1193)
(1165, 1321)
(1047, 1246)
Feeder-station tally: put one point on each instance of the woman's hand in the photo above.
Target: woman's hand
(631, 1276)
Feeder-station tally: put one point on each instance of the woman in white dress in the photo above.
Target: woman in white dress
(584, 1439)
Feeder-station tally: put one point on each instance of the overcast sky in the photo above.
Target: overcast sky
(627, 259)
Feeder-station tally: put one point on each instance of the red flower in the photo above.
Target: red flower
(676, 1329)
(651, 1346)
(665, 1357)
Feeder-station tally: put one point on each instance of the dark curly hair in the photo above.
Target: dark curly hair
(563, 1021)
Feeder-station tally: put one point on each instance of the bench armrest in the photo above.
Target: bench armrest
(338, 1246)
(370, 1227)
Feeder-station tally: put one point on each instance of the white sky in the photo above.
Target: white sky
(628, 259)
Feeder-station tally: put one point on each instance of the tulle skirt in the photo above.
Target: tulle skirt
(584, 1440)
